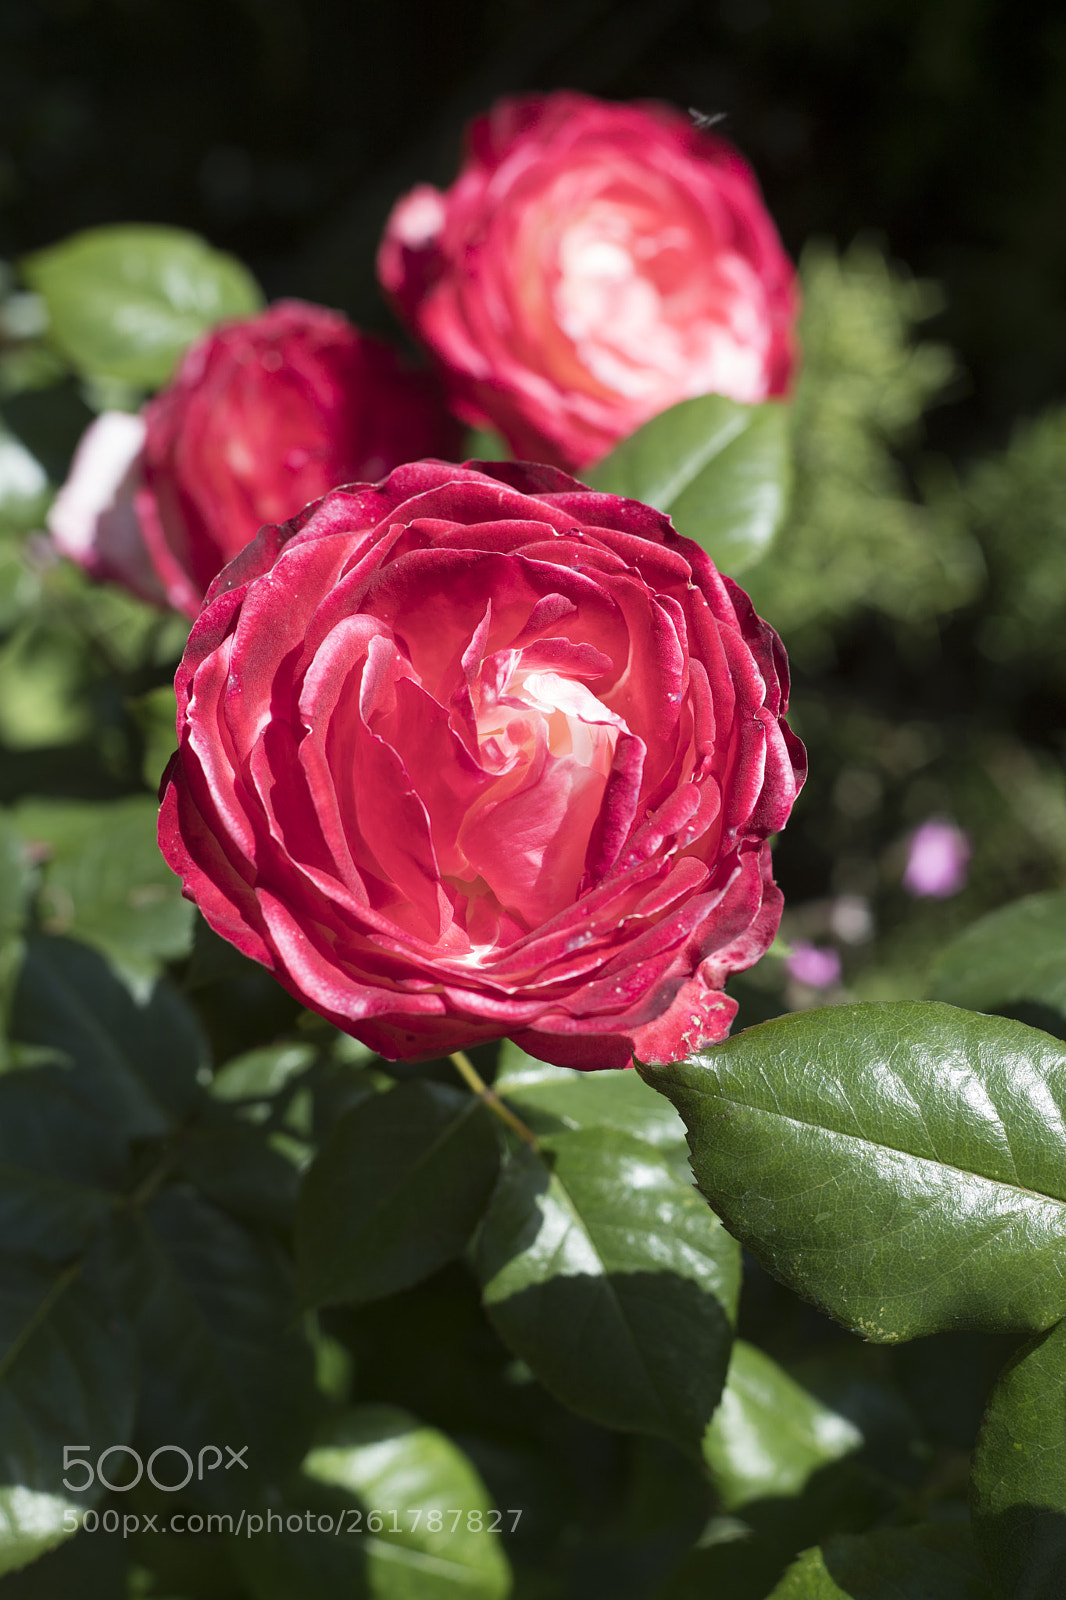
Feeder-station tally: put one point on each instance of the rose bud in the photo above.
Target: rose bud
(477, 752)
(264, 415)
(592, 265)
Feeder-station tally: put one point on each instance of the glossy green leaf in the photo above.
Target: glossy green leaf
(769, 1434)
(1019, 1473)
(125, 302)
(396, 1192)
(64, 1380)
(719, 469)
(901, 1165)
(136, 1065)
(397, 1513)
(105, 881)
(398, 1466)
(548, 1098)
(1014, 954)
(933, 1561)
(604, 1271)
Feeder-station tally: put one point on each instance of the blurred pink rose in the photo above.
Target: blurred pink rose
(478, 752)
(937, 859)
(264, 415)
(592, 265)
(92, 519)
(818, 966)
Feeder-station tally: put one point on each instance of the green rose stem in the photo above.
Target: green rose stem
(473, 1080)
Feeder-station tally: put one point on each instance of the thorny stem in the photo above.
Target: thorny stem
(473, 1079)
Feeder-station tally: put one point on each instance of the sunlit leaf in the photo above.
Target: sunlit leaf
(902, 1165)
(604, 1271)
(1019, 1472)
(719, 469)
(126, 301)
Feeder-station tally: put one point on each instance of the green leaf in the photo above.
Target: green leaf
(236, 1169)
(396, 1192)
(154, 714)
(125, 302)
(48, 1217)
(604, 1271)
(1014, 954)
(45, 673)
(398, 1513)
(64, 1380)
(135, 1065)
(721, 470)
(23, 485)
(20, 582)
(550, 1098)
(1019, 1473)
(485, 444)
(221, 1356)
(769, 1435)
(261, 1074)
(105, 881)
(932, 1561)
(14, 884)
(902, 1165)
(48, 1128)
(395, 1464)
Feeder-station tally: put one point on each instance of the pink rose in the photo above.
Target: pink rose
(477, 752)
(592, 265)
(816, 965)
(938, 859)
(265, 414)
(92, 519)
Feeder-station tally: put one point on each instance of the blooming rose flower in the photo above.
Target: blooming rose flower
(937, 860)
(476, 752)
(592, 265)
(264, 414)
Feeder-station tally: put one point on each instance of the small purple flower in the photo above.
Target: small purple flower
(818, 966)
(938, 859)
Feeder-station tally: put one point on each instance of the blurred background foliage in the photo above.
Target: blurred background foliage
(911, 152)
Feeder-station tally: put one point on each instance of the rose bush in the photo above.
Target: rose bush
(264, 415)
(479, 752)
(592, 265)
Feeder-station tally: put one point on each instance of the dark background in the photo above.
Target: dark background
(284, 129)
